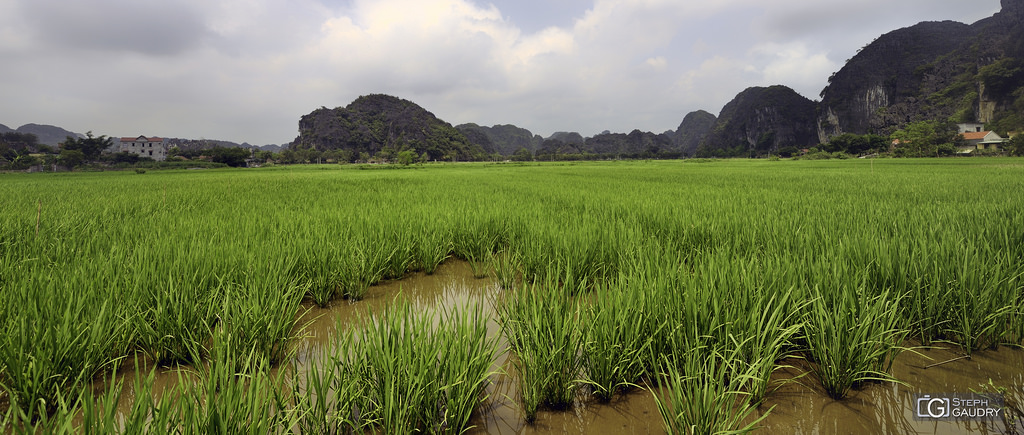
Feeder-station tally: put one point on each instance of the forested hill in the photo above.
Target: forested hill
(503, 139)
(945, 71)
(762, 121)
(694, 128)
(383, 126)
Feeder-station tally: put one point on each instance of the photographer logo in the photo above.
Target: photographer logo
(958, 407)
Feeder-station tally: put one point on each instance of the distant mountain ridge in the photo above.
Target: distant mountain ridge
(45, 134)
(54, 136)
(503, 139)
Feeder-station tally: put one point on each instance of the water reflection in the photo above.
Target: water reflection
(800, 403)
(889, 407)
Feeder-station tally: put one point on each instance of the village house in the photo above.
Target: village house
(152, 147)
(980, 140)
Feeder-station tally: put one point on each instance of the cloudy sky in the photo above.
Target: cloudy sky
(246, 70)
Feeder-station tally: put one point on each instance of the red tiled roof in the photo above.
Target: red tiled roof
(976, 135)
(148, 139)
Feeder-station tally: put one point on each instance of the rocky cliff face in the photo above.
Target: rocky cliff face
(694, 128)
(879, 87)
(1013, 7)
(930, 71)
(760, 121)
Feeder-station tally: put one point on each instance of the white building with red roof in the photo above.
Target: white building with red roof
(980, 140)
(152, 147)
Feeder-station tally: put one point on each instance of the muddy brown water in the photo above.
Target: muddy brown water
(797, 406)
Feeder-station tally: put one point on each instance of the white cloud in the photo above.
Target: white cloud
(657, 63)
(794, 65)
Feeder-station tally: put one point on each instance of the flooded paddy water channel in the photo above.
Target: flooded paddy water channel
(798, 404)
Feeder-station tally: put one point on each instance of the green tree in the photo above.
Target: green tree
(925, 139)
(288, 156)
(406, 157)
(264, 156)
(71, 158)
(234, 157)
(310, 155)
(1002, 77)
(20, 141)
(124, 157)
(1016, 145)
(522, 155)
(856, 144)
(24, 161)
(90, 146)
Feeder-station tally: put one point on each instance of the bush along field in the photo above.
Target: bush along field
(696, 281)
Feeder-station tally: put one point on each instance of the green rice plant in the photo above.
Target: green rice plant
(1015, 336)
(475, 238)
(416, 376)
(476, 248)
(764, 337)
(260, 317)
(403, 252)
(465, 357)
(542, 325)
(173, 320)
(480, 266)
(693, 309)
(61, 340)
(216, 398)
(761, 308)
(700, 392)
(536, 257)
(853, 338)
(506, 265)
(321, 269)
(49, 418)
(371, 264)
(928, 304)
(432, 248)
(981, 304)
(711, 244)
(401, 378)
(149, 413)
(328, 393)
(581, 261)
(620, 331)
(100, 415)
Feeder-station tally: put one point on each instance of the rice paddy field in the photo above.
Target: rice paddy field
(602, 297)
